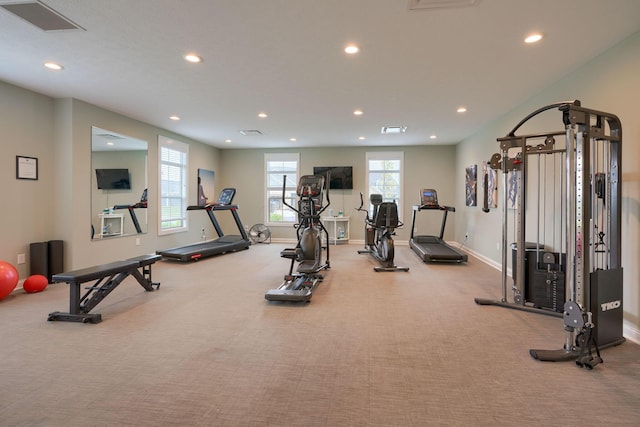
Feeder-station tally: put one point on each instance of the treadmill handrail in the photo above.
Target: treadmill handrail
(435, 207)
(212, 207)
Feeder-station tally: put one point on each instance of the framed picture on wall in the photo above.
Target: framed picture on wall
(470, 185)
(26, 167)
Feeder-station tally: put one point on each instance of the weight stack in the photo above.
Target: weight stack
(39, 258)
(548, 290)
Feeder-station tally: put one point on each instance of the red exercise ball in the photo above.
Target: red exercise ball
(35, 283)
(8, 278)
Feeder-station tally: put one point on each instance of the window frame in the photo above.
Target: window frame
(183, 148)
(386, 156)
(291, 186)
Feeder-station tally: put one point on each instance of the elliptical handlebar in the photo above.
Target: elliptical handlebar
(367, 219)
(284, 190)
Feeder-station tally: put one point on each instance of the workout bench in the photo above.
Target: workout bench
(107, 277)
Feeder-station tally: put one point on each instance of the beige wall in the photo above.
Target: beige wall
(82, 251)
(27, 130)
(58, 204)
(425, 166)
(608, 83)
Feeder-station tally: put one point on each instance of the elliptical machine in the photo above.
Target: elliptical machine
(299, 286)
(379, 229)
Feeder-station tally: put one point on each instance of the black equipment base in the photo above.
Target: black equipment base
(563, 355)
(380, 268)
(435, 249)
(197, 251)
(516, 306)
(296, 288)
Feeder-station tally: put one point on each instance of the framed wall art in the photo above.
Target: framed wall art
(26, 167)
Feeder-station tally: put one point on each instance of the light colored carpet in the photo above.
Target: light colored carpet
(370, 349)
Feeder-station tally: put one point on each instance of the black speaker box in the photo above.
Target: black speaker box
(56, 259)
(39, 258)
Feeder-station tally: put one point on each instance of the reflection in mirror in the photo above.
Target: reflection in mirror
(205, 186)
(118, 185)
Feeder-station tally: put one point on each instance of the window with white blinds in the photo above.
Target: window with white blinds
(173, 161)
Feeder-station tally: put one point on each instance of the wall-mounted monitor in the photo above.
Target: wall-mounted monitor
(113, 179)
(341, 177)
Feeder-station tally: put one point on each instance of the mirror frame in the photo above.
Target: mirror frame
(116, 213)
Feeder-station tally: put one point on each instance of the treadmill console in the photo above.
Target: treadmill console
(429, 198)
(226, 196)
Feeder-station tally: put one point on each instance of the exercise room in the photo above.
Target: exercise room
(335, 213)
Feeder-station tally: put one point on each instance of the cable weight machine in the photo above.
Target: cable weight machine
(567, 228)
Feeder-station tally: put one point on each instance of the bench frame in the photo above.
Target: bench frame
(107, 277)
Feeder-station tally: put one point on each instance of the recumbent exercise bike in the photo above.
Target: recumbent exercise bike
(299, 286)
(379, 231)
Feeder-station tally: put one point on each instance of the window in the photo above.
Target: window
(173, 185)
(276, 166)
(384, 176)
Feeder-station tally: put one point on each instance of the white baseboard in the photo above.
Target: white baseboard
(18, 287)
(488, 261)
(630, 332)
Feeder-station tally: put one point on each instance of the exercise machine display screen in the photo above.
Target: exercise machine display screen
(428, 197)
(226, 196)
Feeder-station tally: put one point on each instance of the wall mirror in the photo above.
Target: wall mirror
(118, 185)
(206, 187)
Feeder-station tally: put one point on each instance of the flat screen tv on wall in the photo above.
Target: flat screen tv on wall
(113, 179)
(341, 177)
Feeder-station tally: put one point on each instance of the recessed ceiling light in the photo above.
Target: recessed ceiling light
(533, 38)
(361, 138)
(53, 66)
(262, 115)
(462, 109)
(228, 141)
(433, 137)
(110, 143)
(292, 139)
(192, 57)
(358, 113)
(351, 49)
(176, 118)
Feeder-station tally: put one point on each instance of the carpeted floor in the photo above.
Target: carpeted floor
(370, 349)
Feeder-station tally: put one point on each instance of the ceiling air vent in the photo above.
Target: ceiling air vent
(250, 132)
(440, 4)
(41, 16)
(392, 129)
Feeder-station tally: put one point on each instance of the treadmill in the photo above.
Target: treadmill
(433, 248)
(223, 244)
(142, 204)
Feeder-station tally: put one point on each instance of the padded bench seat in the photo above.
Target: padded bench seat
(94, 273)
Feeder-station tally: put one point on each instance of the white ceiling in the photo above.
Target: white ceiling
(285, 57)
